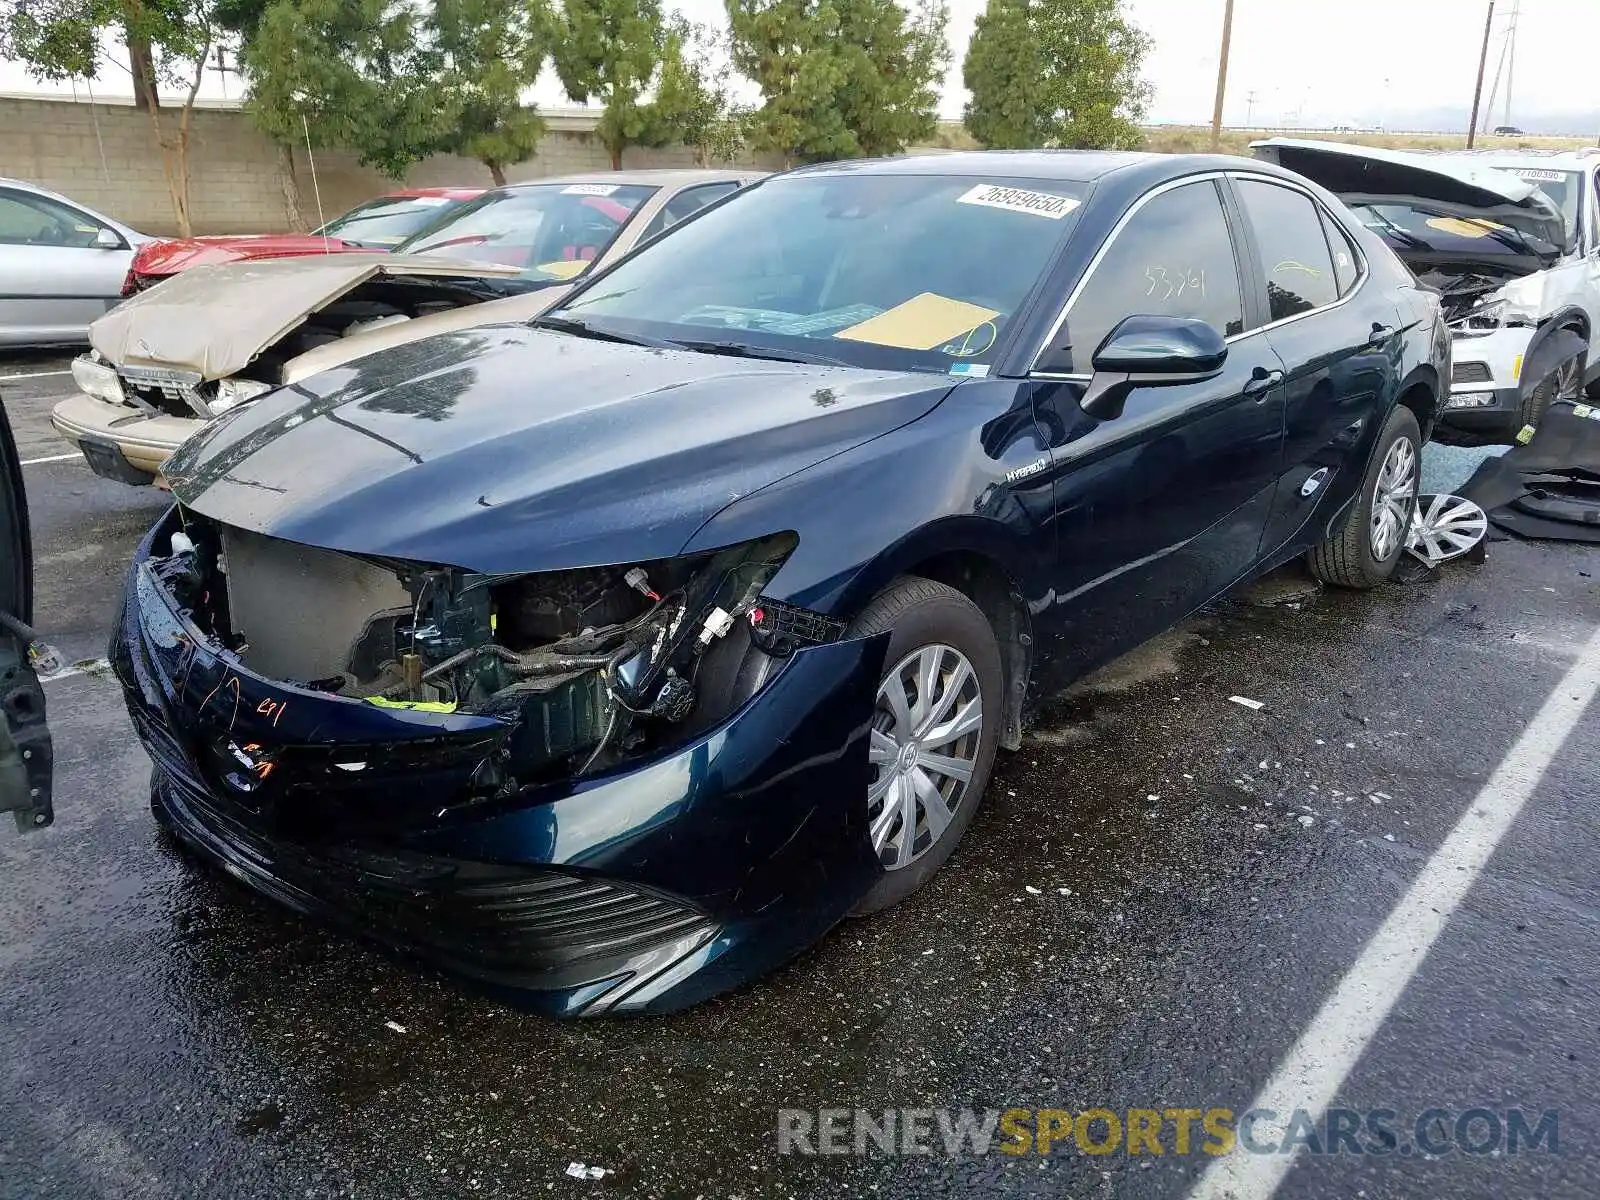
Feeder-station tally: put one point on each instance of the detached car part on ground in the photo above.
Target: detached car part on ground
(611, 661)
(214, 337)
(1511, 239)
(377, 225)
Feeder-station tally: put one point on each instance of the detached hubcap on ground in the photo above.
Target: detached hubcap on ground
(1392, 499)
(925, 736)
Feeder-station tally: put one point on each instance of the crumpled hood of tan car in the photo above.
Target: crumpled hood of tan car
(215, 320)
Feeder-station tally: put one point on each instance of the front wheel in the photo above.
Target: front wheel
(1363, 550)
(935, 728)
(1565, 383)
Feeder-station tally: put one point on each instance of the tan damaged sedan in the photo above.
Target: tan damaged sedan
(211, 338)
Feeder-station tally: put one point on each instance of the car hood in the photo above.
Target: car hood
(214, 320)
(168, 256)
(508, 449)
(1460, 195)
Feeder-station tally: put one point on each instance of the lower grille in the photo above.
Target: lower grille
(486, 919)
(1470, 372)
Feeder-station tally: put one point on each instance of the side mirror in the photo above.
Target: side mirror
(108, 239)
(1151, 351)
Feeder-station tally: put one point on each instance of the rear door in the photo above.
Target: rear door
(1339, 340)
(25, 757)
(1162, 508)
(54, 278)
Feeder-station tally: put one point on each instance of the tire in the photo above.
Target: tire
(1564, 383)
(1348, 558)
(928, 618)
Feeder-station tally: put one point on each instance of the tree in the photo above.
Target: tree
(1056, 73)
(840, 78)
(694, 99)
(1003, 75)
(609, 50)
(491, 50)
(167, 40)
(351, 73)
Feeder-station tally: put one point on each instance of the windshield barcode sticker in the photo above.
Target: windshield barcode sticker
(1038, 204)
(588, 189)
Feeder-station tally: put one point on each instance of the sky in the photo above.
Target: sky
(1399, 64)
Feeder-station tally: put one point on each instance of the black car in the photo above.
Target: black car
(26, 758)
(613, 659)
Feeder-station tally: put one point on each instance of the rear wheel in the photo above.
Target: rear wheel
(1363, 551)
(935, 728)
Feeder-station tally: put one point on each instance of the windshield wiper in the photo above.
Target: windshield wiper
(581, 328)
(741, 350)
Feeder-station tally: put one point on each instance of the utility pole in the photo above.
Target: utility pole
(1511, 55)
(1222, 76)
(1250, 109)
(1483, 61)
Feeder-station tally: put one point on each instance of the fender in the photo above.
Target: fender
(1556, 341)
(937, 486)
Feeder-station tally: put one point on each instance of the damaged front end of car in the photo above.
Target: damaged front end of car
(579, 785)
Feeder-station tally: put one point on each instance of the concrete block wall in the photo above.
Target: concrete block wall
(106, 156)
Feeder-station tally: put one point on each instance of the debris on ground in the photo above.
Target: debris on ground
(1252, 705)
(394, 1025)
(580, 1170)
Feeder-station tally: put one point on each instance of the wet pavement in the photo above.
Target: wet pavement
(1161, 889)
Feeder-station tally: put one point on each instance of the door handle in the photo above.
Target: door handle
(1262, 381)
(1380, 334)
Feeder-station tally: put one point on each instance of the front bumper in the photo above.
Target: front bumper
(144, 442)
(1488, 369)
(646, 889)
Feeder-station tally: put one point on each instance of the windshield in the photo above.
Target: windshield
(900, 271)
(1564, 190)
(1521, 237)
(389, 220)
(552, 231)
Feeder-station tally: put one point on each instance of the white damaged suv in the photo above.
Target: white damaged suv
(1511, 240)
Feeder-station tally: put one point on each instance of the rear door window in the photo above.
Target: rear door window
(1295, 258)
(686, 203)
(1174, 257)
(1346, 266)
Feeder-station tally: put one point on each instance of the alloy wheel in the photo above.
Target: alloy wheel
(925, 735)
(1393, 497)
(1569, 381)
(1445, 527)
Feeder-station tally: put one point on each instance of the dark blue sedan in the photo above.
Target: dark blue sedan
(611, 660)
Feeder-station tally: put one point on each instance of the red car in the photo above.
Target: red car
(376, 225)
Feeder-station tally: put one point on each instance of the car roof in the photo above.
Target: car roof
(1067, 166)
(663, 177)
(449, 193)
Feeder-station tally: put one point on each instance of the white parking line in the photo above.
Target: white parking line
(1310, 1075)
(32, 375)
(33, 462)
(89, 666)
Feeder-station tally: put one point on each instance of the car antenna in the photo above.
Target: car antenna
(316, 188)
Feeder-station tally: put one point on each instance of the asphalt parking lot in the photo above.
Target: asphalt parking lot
(1162, 891)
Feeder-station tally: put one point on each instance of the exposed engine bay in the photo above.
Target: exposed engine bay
(587, 667)
(381, 300)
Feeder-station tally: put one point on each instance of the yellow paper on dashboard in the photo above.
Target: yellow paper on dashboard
(922, 323)
(565, 268)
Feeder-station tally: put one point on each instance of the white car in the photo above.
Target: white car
(1511, 239)
(63, 265)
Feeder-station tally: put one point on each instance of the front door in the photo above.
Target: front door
(54, 278)
(1162, 508)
